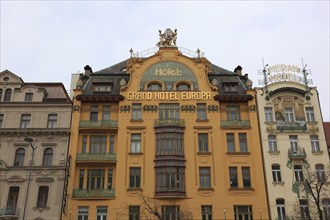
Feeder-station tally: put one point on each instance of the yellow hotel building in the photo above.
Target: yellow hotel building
(165, 136)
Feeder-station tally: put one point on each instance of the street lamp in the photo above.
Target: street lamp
(29, 140)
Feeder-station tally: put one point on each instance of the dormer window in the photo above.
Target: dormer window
(230, 87)
(154, 87)
(102, 87)
(28, 97)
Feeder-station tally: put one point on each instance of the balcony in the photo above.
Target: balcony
(92, 194)
(169, 122)
(235, 124)
(9, 212)
(96, 157)
(297, 154)
(170, 192)
(98, 124)
(291, 126)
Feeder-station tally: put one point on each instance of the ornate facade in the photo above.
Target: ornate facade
(42, 112)
(165, 136)
(294, 145)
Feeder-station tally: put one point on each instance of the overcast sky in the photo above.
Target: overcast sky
(47, 41)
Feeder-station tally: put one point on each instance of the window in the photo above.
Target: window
(95, 179)
(269, 114)
(242, 142)
(206, 212)
(1, 91)
(98, 144)
(25, 121)
(101, 213)
(1, 120)
(298, 173)
(84, 144)
(42, 196)
(135, 143)
(169, 144)
(293, 143)
(310, 114)
(230, 142)
(13, 196)
(246, 177)
(170, 179)
(7, 95)
(233, 112)
(28, 97)
(52, 120)
(106, 113)
(134, 212)
(280, 206)
(326, 208)
(230, 87)
(170, 212)
(19, 157)
(272, 144)
(233, 177)
(320, 173)
(288, 114)
(315, 143)
(276, 172)
(243, 212)
(48, 157)
(205, 177)
(304, 211)
(134, 177)
(169, 111)
(82, 213)
(136, 111)
(183, 87)
(112, 144)
(81, 178)
(154, 87)
(110, 176)
(201, 111)
(94, 112)
(102, 87)
(203, 139)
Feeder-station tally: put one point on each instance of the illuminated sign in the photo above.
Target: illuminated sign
(282, 72)
(171, 96)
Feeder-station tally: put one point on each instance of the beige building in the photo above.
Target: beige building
(42, 113)
(294, 144)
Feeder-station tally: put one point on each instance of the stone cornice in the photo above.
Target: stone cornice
(36, 131)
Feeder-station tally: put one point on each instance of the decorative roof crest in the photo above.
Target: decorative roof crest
(167, 39)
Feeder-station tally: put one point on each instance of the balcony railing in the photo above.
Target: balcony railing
(235, 123)
(9, 211)
(98, 124)
(291, 126)
(169, 122)
(96, 157)
(170, 192)
(95, 193)
(297, 154)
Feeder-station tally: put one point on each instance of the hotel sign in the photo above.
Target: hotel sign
(282, 72)
(171, 96)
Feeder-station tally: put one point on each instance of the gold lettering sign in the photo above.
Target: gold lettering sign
(282, 72)
(171, 96)
(167, 72)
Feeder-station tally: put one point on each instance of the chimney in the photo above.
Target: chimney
(88, 70)
(238, 70)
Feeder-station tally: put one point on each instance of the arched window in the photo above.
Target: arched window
(1, 91)
(19, 157)
(7, 95)
(154, 87)
(48, 157)
(183, 87)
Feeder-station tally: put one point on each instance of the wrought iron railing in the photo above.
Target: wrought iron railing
(98, 124)
(235, 123)
(291, 126)
(169, 122)
(93, 193)
(96, 157)
(9, 211)
(297, 153)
